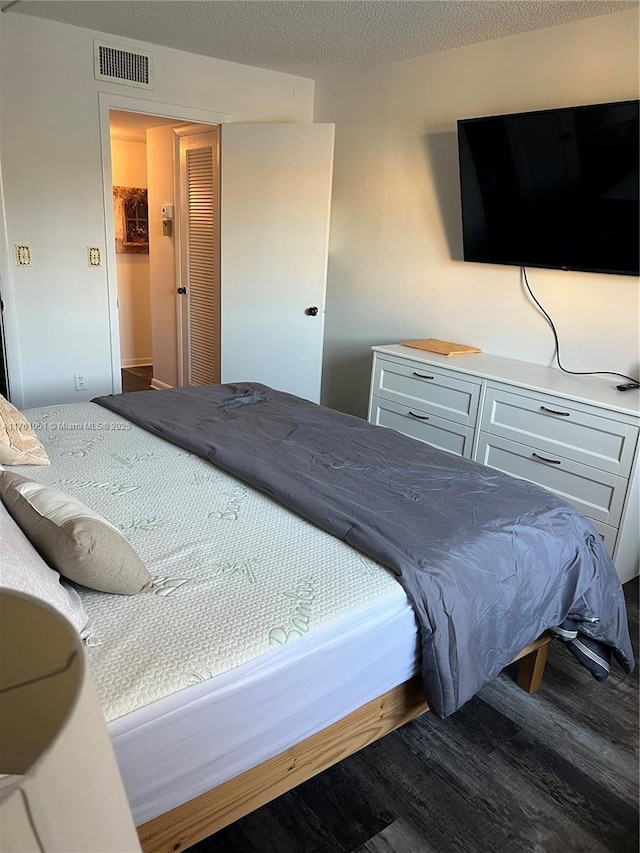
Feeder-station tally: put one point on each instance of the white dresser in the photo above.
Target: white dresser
(574, 435)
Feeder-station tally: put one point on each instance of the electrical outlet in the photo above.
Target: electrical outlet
(93, 256)
(81, 381)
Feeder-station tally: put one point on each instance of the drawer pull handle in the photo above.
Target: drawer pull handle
(420, 417)
(553, 412)
(543, 459)
(422, 375)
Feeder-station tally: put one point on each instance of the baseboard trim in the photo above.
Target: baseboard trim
(159, 386)
(137, 362)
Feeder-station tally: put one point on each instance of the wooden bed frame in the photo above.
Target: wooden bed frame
(199, 818)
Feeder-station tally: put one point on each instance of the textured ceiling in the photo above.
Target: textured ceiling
(311, 38)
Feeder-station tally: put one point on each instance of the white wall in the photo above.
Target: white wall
(51, 162)
(395, 270)
(8, 319)
(129, 169)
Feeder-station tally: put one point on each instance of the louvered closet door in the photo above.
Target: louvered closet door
(200, 259)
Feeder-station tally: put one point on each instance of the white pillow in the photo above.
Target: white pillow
(23, 569)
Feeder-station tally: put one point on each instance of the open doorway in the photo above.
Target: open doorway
(273, 221)
(165, 185)
(130, 185)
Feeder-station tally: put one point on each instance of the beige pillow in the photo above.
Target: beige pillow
(23, 569)
(19, 445)
(77, 542)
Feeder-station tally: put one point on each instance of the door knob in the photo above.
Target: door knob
(182, 290)
(311, 311)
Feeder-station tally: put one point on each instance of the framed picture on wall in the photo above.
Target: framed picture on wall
(131, 218)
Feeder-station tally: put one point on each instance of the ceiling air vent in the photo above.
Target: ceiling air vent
(122, 65)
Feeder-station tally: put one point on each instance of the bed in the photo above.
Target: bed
(267, 648)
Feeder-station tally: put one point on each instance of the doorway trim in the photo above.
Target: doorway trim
(13, 366)
(107, 102)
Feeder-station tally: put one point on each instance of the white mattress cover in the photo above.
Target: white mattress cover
(213, 731)
(241, 576)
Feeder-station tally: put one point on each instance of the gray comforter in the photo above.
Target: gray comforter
(488, 561)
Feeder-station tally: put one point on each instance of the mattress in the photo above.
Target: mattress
(261, 629)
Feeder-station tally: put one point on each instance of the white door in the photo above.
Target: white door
(275, 204)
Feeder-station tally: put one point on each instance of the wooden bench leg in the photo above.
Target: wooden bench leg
(531, 668)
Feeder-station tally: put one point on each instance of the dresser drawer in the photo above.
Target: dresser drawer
(608, 535)
(416, 423)
(555, 428)
(598, 494)
(434, 391)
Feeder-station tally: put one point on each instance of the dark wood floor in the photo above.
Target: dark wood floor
(554, 772)
(136, 378)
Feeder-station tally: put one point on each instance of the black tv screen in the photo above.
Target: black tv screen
(555, 188)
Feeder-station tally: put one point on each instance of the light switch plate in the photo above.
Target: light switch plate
(93, 256)
(23, 255)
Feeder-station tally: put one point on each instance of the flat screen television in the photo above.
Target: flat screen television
(555, 188)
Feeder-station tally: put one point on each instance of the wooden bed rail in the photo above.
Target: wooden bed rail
(189, 823)
(531, 662)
